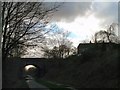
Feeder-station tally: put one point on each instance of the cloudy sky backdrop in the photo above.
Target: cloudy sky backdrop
(83, 19)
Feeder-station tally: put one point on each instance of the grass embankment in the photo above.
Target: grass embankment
(95, 68)
(51, 85)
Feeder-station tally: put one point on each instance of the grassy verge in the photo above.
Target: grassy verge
(51, 85)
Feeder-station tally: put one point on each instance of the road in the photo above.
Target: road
(33, 84)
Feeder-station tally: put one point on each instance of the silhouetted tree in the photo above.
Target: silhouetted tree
(107, 36)
(58, 52)
(57, 44)
(23, 24)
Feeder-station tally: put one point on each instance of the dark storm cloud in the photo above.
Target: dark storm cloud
(70, 10)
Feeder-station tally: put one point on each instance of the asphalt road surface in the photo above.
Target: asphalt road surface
(34, 85)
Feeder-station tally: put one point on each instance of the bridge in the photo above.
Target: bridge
(15, 68)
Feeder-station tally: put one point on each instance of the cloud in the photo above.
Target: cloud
(70, 10)
(106, 11)
(82, 19)
(98, 16)
(82, 28)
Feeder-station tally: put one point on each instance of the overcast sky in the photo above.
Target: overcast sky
(83, 19)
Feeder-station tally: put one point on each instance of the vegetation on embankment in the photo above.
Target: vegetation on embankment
(94, 68)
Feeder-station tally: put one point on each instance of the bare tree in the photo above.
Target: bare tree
(57, 44)
(106, 35)
(23, 23)
(57, 52)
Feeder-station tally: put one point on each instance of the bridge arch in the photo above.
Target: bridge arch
(40, 68)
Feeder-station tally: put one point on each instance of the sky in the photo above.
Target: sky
(83, 19)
